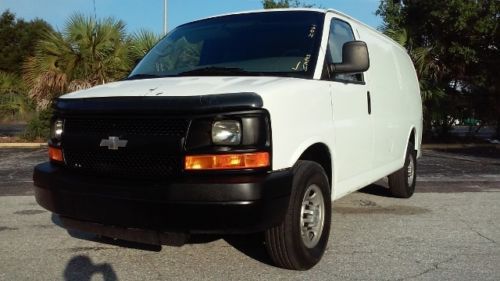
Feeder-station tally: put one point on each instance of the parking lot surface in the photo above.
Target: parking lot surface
(449, 230)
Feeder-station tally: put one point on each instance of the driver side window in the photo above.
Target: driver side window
(340, 33)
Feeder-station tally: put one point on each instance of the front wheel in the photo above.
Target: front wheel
(300, 240)
(402, 182)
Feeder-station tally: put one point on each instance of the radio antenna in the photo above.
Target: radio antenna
(94, 31)
(165, 23)
(95, 12)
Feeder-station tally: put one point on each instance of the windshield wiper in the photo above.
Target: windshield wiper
(216, 71)
(142, 76)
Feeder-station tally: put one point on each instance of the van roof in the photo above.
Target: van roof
(286, 10)
(266, 11)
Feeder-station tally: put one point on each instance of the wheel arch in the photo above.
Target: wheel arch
(412, 138)
(320, 153)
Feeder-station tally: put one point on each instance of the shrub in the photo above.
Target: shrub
(39, 126)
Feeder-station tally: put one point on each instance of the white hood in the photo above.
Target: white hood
(184, 86)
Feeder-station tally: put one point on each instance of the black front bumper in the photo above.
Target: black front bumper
(201, 204)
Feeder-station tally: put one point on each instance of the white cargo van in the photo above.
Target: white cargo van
(241, 123)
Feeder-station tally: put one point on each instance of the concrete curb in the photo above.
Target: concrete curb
(23, 145)
(459, 145)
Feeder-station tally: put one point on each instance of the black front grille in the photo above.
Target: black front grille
(123, 164)
(152, 150)
(138, 127)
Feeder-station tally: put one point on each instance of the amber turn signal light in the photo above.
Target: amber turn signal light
(227, 161)
(55, 154)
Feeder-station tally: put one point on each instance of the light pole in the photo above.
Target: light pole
(165, 24)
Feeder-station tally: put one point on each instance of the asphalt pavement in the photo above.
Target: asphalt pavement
(449, 230)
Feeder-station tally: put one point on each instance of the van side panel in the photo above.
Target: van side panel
(301, 113)
(385, 92)
(413, 99)
(395, 112)
(395, 97)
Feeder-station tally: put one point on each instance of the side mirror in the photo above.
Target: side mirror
(355, 58)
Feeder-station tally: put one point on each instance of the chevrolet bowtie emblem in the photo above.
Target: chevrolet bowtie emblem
(113, 143)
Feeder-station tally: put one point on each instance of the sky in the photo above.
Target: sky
(148, 14)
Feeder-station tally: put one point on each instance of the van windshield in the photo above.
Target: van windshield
(267, 44)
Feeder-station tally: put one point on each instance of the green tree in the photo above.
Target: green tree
(455, 47)
(14, 103)
(141, 42)
(271, 4)
(17, 40)
(85, 54)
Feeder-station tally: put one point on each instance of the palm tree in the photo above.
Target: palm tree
(429, 69)
(141, 42)
(13, 99)
(85, 54)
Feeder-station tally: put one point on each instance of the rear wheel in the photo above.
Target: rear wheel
(402, 182)
(300, 240)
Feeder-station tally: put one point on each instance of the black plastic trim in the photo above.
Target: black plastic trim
(256, 133)
(235, 204)
(369, 101)
(197, 139)
(148, 105)
(346, 81)
(330, 76)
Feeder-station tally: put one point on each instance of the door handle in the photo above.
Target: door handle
(369, 99)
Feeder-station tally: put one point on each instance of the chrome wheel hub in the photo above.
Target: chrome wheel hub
(312, 216)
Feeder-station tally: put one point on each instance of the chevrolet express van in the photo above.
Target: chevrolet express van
(241, 123)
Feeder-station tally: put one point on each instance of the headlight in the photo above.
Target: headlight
(57, 129)
(226, 132)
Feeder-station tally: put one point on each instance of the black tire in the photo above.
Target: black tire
(401, 185)
(284, 243)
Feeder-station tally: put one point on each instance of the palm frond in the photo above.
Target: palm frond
(141, 42)
(14, 102)
(87, 52)
(430, 92)
(398, 35)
